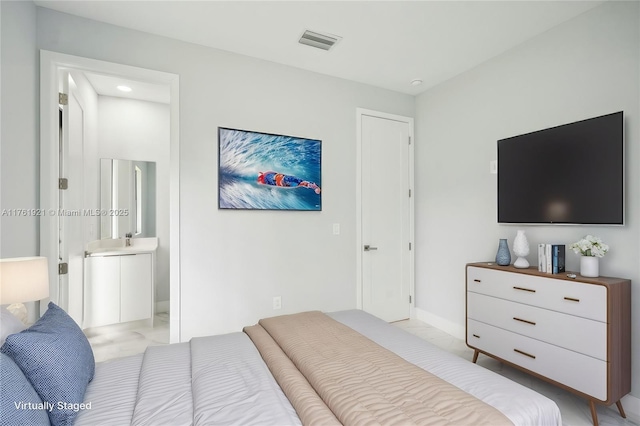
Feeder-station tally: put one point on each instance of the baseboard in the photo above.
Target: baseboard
(162, 306)
(456, 330)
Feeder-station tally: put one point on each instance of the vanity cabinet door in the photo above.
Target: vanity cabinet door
(135, 287)
(102, 291)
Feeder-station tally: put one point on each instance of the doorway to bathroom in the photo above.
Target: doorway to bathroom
(98, 127)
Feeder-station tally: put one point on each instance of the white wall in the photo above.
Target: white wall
(19, 145)
(136, 130)
(234, 262)
(586, 67)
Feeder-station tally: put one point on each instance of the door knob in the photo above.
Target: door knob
(367, 247)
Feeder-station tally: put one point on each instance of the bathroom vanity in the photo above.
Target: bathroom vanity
(119, 281)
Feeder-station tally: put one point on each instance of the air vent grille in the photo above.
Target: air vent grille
(320, 41)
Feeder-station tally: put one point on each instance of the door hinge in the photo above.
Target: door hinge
(409, 140)
(63, 99)
(409, 298)
(63, 268)
(409, 246)
(409, 193)
(63, 183)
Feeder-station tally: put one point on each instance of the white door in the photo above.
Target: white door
(386, 222)
(70, 208)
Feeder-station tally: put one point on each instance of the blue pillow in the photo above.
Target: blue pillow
(57, 359)
(19, 402)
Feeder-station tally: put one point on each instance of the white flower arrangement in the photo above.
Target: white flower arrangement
(590, 246)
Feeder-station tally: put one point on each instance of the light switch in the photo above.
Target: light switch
(336, 229)
(493, 167)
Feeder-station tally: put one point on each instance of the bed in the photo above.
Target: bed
(226, 380)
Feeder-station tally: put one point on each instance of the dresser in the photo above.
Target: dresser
(572, 332)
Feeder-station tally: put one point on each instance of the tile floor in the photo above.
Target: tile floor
(117, 341)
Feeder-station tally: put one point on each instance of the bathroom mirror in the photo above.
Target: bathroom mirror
(127, 198)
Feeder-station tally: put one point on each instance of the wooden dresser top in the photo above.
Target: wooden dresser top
(533, 270)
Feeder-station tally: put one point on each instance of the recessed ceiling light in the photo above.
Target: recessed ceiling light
(124, 88)
(416, 82)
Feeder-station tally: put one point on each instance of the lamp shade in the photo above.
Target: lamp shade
(23, 279)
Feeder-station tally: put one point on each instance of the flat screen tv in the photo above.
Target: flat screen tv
(569, 174)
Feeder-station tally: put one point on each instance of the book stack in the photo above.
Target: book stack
(551, 258)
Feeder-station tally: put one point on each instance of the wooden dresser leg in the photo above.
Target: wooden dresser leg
(621, 410)
(594, 413)
(475, 357)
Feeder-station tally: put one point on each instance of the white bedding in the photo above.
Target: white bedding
(216, 380)
(222, 380)
(233, 386)
(164, 391)
(520, 404)
(112, 392)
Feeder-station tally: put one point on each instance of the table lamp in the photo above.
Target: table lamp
(23, 279)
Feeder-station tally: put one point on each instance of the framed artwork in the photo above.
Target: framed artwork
(262, 171)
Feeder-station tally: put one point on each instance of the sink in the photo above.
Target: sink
(115, 247)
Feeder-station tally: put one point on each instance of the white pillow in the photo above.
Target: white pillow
(9, 324)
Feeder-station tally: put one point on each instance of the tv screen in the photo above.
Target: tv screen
(571, 174)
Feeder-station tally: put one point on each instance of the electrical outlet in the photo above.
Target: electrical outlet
(336, 229)
(277, 302)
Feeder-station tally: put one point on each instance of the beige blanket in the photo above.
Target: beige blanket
(361, 382)
(310, 408)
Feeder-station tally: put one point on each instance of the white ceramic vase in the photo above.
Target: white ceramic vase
(590, 266)
(521, 249)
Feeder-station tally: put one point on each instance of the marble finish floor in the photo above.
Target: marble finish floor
(118, 341)
(574, 410)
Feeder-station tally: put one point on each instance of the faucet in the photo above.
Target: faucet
(127, 241)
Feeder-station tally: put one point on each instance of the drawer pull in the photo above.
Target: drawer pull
(476, 336)
(524, 353)
(571, 299)
(525, 321)
(477, 280)
(524, 289)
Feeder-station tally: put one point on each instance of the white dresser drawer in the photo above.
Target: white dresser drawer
(580, 372)
(578, 334)
(573, 298)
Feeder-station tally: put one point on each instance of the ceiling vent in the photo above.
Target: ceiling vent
(321, 41)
